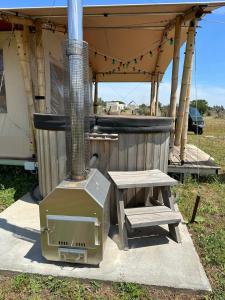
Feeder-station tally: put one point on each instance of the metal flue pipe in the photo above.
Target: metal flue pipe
(75, 20)
(76, 88)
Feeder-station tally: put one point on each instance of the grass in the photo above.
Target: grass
(208, 235)
(209, 232)
(213, 140)
(14, 183)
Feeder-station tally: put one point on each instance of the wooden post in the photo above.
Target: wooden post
(43, 136)
(152, 99)
(174, 83)
(185, 122)
(185, 79)
(22, 42)
(157, 97)
(40, 68)
(96, 98)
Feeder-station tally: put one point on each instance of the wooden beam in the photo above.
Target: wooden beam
(174, 84)
(23, 51)
(13, 19)
(185, 80)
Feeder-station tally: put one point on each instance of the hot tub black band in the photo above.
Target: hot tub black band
(50, 122)
(105, 124)
(54, 122)
(132, 122)
(101, 129)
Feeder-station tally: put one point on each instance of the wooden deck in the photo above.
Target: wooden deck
(196, 161)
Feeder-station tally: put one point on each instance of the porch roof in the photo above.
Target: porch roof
(126, 42)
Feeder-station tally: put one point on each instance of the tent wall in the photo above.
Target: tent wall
(14, 132)
(53, 44)
(14, 126)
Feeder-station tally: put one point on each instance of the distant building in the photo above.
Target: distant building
(114, 106)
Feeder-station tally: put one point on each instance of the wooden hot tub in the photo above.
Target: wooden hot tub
(123, 143)
(131, 143)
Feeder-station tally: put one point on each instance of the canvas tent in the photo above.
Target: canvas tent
(15, 139)
(127, 43)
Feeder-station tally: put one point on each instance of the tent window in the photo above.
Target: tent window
(57, 92)
(3, 107)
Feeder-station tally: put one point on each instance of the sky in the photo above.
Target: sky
(209, 71)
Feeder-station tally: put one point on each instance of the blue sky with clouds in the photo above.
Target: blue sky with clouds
(209, 77)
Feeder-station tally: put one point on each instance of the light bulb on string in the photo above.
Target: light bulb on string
(171, 41)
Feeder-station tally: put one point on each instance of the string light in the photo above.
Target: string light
(113, 71)
(135, 60)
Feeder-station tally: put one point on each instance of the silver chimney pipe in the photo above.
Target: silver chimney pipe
(75, 20)
(76, 88)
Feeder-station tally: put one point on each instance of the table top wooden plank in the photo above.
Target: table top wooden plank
(134, 179)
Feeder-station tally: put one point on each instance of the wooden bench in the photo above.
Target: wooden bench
(140, 217)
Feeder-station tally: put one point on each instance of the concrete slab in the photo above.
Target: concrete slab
(155, 260)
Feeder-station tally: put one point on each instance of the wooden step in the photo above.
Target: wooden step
(151, 216)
